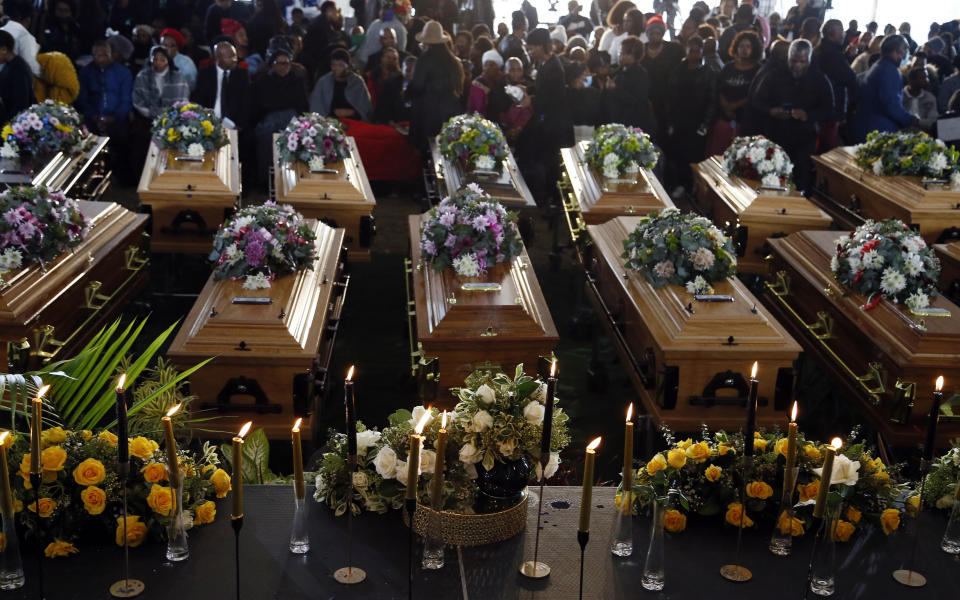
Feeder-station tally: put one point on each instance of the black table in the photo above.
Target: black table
(693, 560)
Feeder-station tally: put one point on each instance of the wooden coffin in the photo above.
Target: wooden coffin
(949, 255)
(188, 200)
(507, 186)
(750, 213)
(456, 330)
(852, 194)
(887, 358)
(82, 176)
(45, 315)
(340, 199)
(267, 355)
(592, 199)
(689, 360)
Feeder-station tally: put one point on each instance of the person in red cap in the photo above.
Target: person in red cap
(216, 12)
(172, 42)
(235, 30)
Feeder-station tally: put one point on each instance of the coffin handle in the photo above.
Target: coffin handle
(822, 328)
(94, 299)
(780, 287)
(46, 346)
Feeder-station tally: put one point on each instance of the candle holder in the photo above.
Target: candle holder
(821, 574)
(11, 565)
(735, 571)
(432, 543)
(907, 576)
(621, 533)
(951, 537)
(582, 538)
(535, 569)
(411, 506)
(654, 566)
(35, 481)
(350, 574)
(126, 587)
(299, 539)
(177, 547)
(237, 524)
(781, 542)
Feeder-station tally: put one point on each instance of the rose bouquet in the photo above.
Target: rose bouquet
(469, 231)
(43, 129)
(617, 149)
(889, 260)
(757, 157)
(260, 243)
(915, 154)
(683, 249)
(942, 487)
(312, 139)
(474, 142)
(188, 128)
(37, 226)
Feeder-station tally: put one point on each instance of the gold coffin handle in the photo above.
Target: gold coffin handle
(46, 346)
(94, 299)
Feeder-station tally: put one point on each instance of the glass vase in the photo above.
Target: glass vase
(621, 534)
(177, 547)
(11, 567)
(951, 537)
(654, 565)
(823, 571)
(299, 538)
(433, 543)
(781, 541)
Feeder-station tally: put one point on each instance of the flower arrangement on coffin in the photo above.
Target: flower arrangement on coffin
(260, 243)
(682, 249)
(705, 474)
(37, 225)
(314, 140)
(617, 150)
(43, 129)
(474, 141)
(941, 486)
(81, 487)
(756, 157)
(915, 154)
(189, 129)
(889, 260)
(469, 231)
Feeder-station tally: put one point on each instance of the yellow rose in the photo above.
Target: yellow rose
(89, 472)
(25, 464)
(713, 473)
(94, 500)
(59, 548)
(674, 521)
(657, 463)
(47, 505)
(136, 531)
(843, 530)
(699, 452)
(53, 458)
(853, 515)
(759, 489)
(912, 505)
(206, 469)
(812, 452)
(781, 447)
(108, 438)
(890, 520)
(143, 448)
(205, 513)
(734, 512)
(759, 445)
(54, 435)
(11, 438)
(161, 500)
(676, 458)
(786, 525)
(685, 444)
(86, 435)
(723, 448)
(154, 472)
(809, 491)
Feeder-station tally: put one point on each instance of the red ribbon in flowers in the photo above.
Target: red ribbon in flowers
(872, 302)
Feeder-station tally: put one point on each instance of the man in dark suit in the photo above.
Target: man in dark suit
(16, 80)
(223, 87)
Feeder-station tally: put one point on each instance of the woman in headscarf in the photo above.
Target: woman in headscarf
(487, 95)
(157, 86)
(436, 88)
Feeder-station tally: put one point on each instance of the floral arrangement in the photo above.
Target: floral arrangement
(469, 231)
(889, 260)
(705, 474)
(262, 242)
(617, 149)
(915, 154)
(81, 488)
(43, 129)
(474, 141)
(37, 226)
(683, 249)
(188, 128)
(756, 157)
(401, 8)
(314, 140)
(942, 480)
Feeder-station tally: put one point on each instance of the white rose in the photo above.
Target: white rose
(385, 462)
(366, 439)
(428, 460)
(481, 421)
(470, 454)
(321, 485)
(553, 463)
(400, 472)
(418, 412)
(486, 394)
(8, 151)
(845, 471)
(507, 447)
(533, 412)
(360, 480)
(541, 394)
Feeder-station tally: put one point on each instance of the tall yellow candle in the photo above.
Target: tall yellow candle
(413, 457)
(6, 502)
(236, 478)
(36, 431)
(299, 489)
(586, 497)
(626, 502)
(436, 491)
(173, 466)
(825, 475)
(791, 449)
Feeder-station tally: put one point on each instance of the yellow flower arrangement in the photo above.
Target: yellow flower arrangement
(723, 449)
(853, 515)
(713, 473)
(143, 448)
(657, 463)
(734, 514)
(759, 489)
(791, 525)
(136, 531)
(674, 521)
(809, 491)
(780, 448)
(154, 472)
(890, 520)
(812, 452)
(108, 437)
(94, 500)
(86, 435)
(58, 548)
(161, 500)
(205, 513)
(54, 435)
(843, 530)
(676, 458)
(685, 444)
(698, 452)
(47, 506)
(53, 458)
(760, 445)
(207, 127)
(89, 472)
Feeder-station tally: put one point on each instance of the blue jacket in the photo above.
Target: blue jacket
(105, 92)
(881, 107)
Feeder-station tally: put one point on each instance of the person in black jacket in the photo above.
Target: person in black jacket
(16, 80)
(829, 58)
(436, 88)
(690, 112)
(223, 87)
(628, 100)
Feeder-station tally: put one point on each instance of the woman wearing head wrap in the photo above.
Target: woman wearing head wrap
(487, 95)
(158, 85)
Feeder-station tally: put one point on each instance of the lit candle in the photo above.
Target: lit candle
(6, 502)
(36, 429)
(586, 497)
(627, 496)
(351, 414)
(825, 475)
(791, 449)
(298, 487)
(123, 444)
(547, 431)
(173, 466)
(931, 442)
(413, 458)
(436, 492)
(751, 413)
(236, 478)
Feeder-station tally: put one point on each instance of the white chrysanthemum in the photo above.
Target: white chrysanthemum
(8, 151)
(256, 282)
(610, 159)
(664, 269)
(485, 162)
(834, 264)
(699, 285)
(714, 233)
(756, 155)
(702, 259)
(195, 149)
(938, 161)
(316, 162)
(872, 260)
(631, 168)
(466, 265)
(779, 160)
(611, 172)
(917, 301)
(913, 264)
(854, 262)
(10, 259)
(766, 166)
(877, 167)
(770, 180)
(955, 179)
(843, 239)
(892, 281)
(241, 222)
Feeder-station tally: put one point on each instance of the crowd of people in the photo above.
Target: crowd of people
(807, 83)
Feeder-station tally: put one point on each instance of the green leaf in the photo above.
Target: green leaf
(256, 457)
(399, 417)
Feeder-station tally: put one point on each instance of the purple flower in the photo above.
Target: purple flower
(479, 223)
(327, 144)
(255, 250)
(451, 241)
(447, 219)
(429, 247)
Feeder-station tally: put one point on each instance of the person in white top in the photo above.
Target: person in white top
(613, 36)
(25, 45)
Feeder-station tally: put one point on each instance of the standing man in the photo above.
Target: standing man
(829, 58)
(574, 22)
(224, 88)
(881, 105)
(16, 80)
(172, 42)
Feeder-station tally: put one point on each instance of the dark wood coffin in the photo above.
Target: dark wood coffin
(949, 255)
(82, 176)
(507, 186)
(887, 358)
(689, 360)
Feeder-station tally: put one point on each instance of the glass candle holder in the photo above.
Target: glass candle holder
(299, 539)
(177, 547)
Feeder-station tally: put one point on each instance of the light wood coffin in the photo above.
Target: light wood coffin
(507, 186)
(949, 255)
(689, 360)
(57, 311)
(189, 200)
(265, 354)
(82, 176)
(341, 199)
(887, 358)
(463, 329)
(852, 194)
(750, 213)
(593, 199)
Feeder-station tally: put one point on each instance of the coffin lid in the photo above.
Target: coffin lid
(291, 326)
(596, 194)
(705, 331)
(517, 311)
(508, 187)
(893, 328)
(349, 187)
(60, 172)
(950, 251)
(217, 176)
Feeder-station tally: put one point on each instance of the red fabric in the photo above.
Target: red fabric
(721, 134)
(829, 136)
(176, 35)
(386, 154)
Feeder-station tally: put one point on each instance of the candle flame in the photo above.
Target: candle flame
(940, 383)
(350, 373)
(793, 413)
(42, 392)
(629, 412)
(174, 409)
(121, 382)
(837, 443)
(553, 368)
(3, 437)
(296, 426)
(422, 422)
(593, 445)
(245, 429)
(443, 421)
(753, 371)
